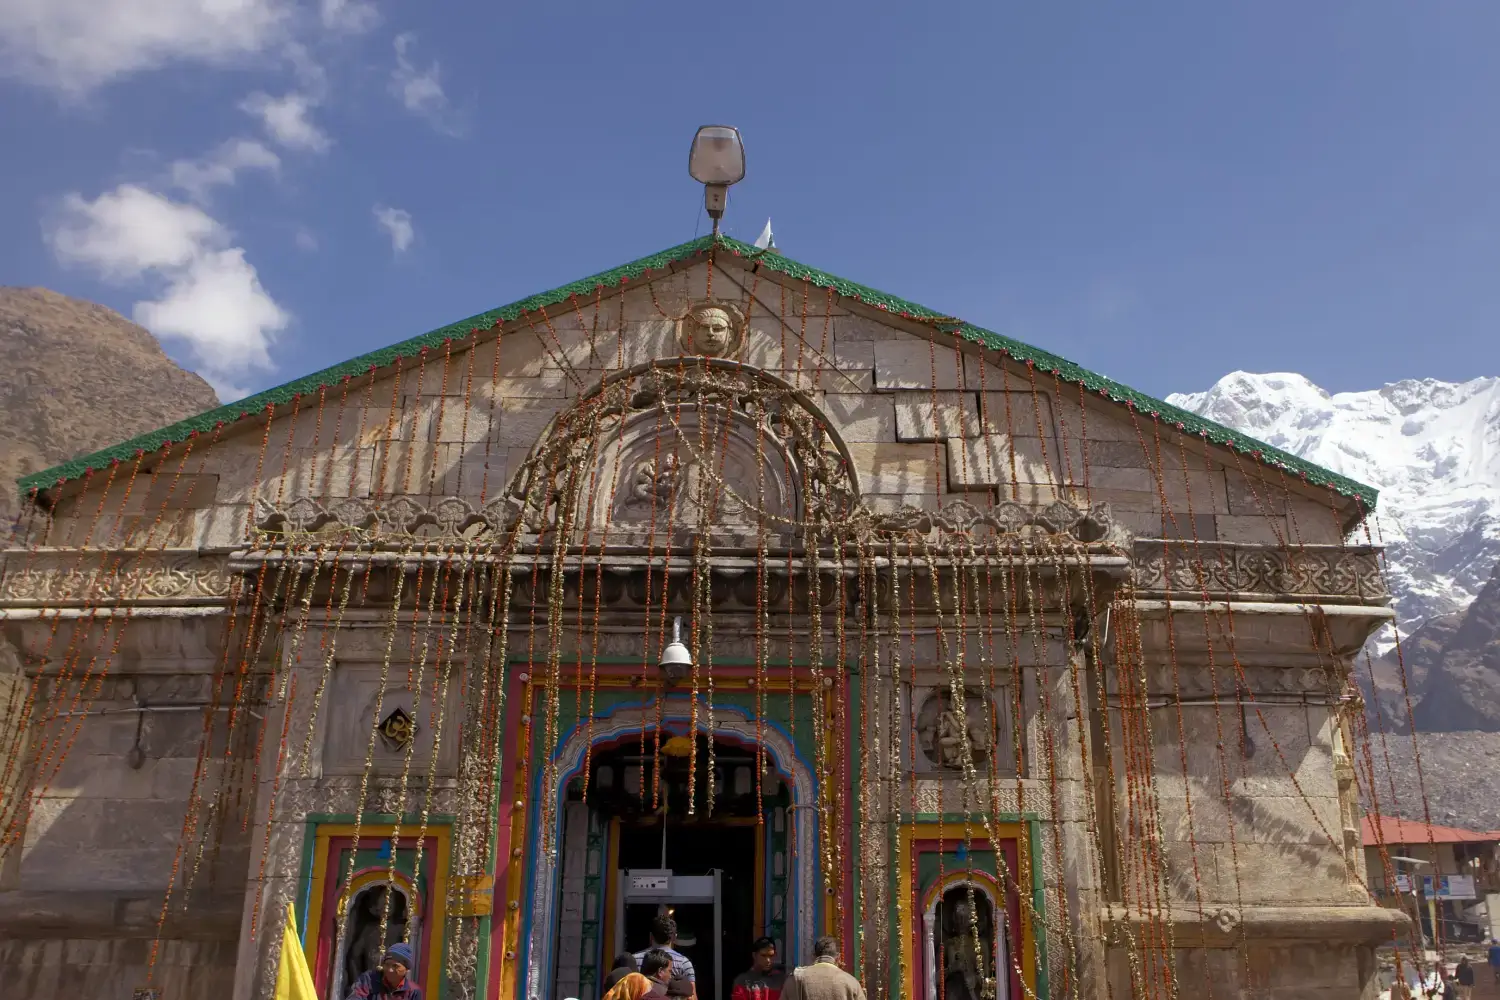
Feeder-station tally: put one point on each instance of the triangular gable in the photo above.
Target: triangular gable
(771, 260)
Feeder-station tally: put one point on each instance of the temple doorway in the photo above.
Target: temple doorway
(670, 826)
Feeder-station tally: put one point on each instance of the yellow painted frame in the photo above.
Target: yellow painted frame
(323, 842)
(906, 836)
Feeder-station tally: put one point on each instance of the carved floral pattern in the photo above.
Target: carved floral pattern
(76, 578)
(1349, 573)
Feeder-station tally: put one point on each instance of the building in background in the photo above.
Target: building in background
(1424, 868)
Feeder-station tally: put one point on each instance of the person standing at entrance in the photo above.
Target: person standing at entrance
(656, 965)
(1495, 959)
(664, 937)
(391, 981)
(762, 981)
(823, 980)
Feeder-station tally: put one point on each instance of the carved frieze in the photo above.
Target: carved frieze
(1329, 573)
(80, 578)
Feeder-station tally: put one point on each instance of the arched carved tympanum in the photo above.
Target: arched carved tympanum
(686, 445)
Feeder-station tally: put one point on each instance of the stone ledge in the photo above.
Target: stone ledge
(43, 914)
(1224, 926)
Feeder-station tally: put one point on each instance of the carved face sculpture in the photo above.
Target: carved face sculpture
(712, 331)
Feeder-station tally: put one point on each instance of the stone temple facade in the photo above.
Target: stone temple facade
(1019, 682)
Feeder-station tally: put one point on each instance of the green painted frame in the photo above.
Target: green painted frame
(1033, 825)
(310, 824)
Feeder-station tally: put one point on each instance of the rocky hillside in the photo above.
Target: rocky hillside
(76, 377)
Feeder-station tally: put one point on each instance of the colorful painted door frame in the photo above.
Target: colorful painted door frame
(733, 723)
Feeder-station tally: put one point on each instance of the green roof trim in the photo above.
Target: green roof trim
(1045, 361)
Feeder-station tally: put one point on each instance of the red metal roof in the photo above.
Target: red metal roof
(1412, 833)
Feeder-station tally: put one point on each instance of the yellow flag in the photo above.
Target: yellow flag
(294, 979)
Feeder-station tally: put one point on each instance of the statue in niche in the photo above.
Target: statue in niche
(364, 948)
(712, 329)
(945, 731)
(968, 929)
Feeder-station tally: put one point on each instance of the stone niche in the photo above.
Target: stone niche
(943, 726)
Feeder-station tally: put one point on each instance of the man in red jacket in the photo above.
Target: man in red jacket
(762, 981)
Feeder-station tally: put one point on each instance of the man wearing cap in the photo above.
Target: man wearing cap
(391, 981)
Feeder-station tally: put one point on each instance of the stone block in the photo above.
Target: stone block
(920, 417)
(1120, 455)
(854, 329)
(521, 354)
(1256, 498)
(1150, 523)
(988, 461)
(453, 422)
(1256, 529)
(913, 364)
(1017, 411)
(522, 420)
(548, 385)
(896, 468)
(864, 419)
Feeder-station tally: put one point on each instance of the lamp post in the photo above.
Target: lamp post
(716, 161)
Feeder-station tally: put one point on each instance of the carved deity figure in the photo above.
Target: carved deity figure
(968, 947)
(658, 480)
(945, 732)
(711, 329)
(365, 949)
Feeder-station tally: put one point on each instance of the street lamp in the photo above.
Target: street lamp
(716, 161)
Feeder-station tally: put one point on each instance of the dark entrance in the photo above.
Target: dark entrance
(643, 798)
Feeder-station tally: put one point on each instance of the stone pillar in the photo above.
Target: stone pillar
(1080, 868)
(13, 688)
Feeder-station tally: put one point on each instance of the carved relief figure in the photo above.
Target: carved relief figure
(712, 329)
(706, 465)
(657, 480)
(364, 949)
(944, 731)
(968, 946)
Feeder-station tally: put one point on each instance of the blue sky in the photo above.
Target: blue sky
(1164, 193)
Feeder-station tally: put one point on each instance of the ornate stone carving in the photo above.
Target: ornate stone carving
(1058, 520)
(1334, 573)
(713, 329)
(945, 732)
(62, 579)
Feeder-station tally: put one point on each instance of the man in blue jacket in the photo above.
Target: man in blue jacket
(391, 981)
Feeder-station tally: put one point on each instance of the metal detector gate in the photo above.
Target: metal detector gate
(660, 887)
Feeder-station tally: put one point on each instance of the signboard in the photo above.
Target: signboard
(650, 883)
(1403, 882)
(1448, 886)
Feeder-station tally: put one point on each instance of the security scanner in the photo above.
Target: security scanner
(694, 901)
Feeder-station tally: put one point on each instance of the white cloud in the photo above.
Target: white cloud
(213, 300)
(397, 225)
(128, 231)
(222, 166)
(306, 240)
(285, 120)
(217, 305)
(421, 91)
(75, 46)
(351, 16)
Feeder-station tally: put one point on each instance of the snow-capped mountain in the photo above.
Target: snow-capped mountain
(1431, 448)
